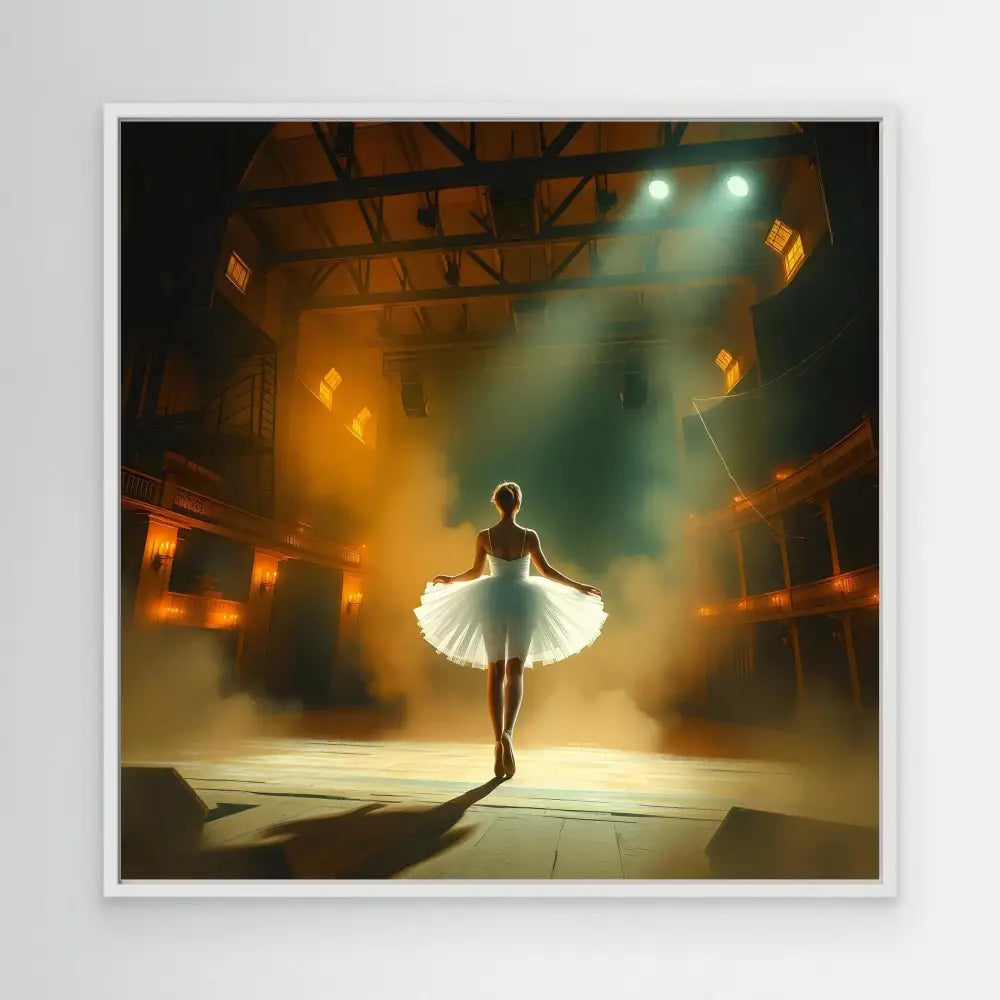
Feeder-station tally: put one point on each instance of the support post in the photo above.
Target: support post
(852, 659)
(831, 534)
(793, 626)
(154, 572)
(738, 543)
(786, 571)
(252, 650)
(348, 682)
(800, 685)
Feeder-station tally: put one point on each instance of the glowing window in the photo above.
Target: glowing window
(733, 375)
(361, 422)
(327, 387)
(723, 359)
(238, 272)
(794, 257)
(777, 239)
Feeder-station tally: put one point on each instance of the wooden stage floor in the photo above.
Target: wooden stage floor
(335, 808)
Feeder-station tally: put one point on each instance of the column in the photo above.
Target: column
(738, 542)
(831, 535)
(783, 547)
(154, 572)
(748, 630)
(800, 684)
(793, 626)
(351, 600)
(251, 654)
(852, 659)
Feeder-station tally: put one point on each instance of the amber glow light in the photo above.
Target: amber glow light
(162, 551)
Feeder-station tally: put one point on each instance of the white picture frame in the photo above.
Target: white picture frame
(886, 885)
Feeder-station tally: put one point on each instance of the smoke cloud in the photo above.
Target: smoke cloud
(617, 692)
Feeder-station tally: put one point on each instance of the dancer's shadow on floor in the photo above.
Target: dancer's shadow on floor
(372, 842)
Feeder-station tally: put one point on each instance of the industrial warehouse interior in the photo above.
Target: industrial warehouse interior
(338, 337)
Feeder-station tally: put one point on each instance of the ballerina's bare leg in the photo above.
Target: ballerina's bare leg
(513, 693)
(494, 701)
(494, 696)
(496, 647)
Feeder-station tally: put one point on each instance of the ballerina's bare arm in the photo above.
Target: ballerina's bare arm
(549, 571)
(478, 564)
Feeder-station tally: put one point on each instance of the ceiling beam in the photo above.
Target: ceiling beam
(637, 332)
(459, 151)
(536, 168)
(376, 231)
(760, 212)
(562, 140)
(677, 133)
(553, 217)
(525, 289)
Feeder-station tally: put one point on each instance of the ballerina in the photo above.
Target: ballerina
(507, 620)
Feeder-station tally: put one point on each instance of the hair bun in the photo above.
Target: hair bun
(507, 496)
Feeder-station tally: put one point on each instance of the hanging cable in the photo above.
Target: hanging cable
(800, 367)
(803, 364)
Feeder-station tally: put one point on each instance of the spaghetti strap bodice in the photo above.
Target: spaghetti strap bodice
(524, 541)
(515, 569)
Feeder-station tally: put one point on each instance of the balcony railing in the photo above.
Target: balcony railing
(848, 457)
(153, 492)
(139, 486)
(197, 611)
(856, 589)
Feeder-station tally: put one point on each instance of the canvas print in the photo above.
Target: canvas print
(499, 500)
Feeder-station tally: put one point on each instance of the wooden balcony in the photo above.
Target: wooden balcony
(201, 612)
(186, 508)
(857, 589)
(852, 455)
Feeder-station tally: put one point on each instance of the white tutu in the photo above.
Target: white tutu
(508, 614)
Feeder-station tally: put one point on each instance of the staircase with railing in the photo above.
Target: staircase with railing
(238, 417)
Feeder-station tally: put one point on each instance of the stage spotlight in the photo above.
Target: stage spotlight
(514, 207)
(659, 189)
(606, 201)
(428, 217)
(411, 392)
(738, 186)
